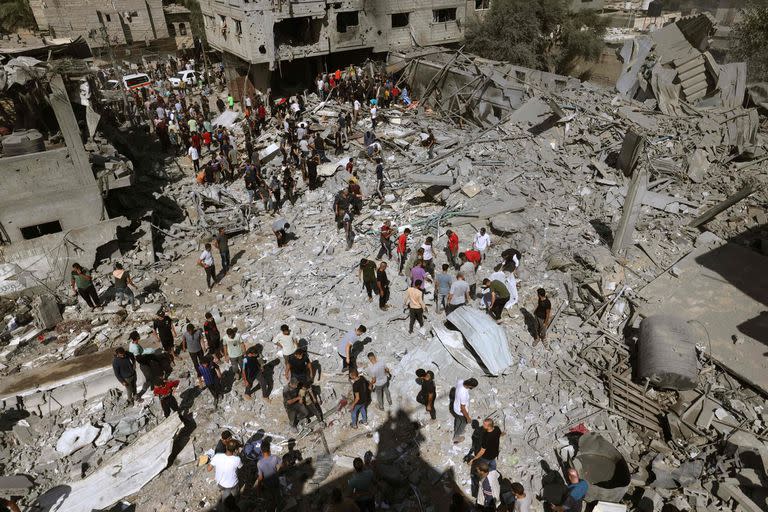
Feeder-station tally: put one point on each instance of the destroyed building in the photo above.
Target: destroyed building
(643, 218)
(52, 200)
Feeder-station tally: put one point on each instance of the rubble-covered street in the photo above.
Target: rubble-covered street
(641, 214)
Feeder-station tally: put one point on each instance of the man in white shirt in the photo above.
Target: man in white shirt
(461, 408)
(345, 347)
(379, 376)
(285, 340)
(206, 261)
(194, 155)
(356, 111)
(482, 241)
(226, 465)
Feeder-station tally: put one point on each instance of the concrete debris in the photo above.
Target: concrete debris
(598, 198)
(122, 475)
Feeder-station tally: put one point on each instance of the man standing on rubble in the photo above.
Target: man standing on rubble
(221, 241)
(192, 342)
(279, 228)
(482, 242)
(380, 377)
(82, 283)
(294, 405)
(458, 295)
(402, 248)
(414, 299)
(452, 249)
(165, 332)
(367, 272)
(543, 315)
(382, 282)
(444, 280)
(361, 397)
(385, 239)
(124, 367)
(194, 155)
(467, 270)
(226, 465)
(234, 350)
(490, 438)
(345, 347)
(499, 297)
(206, 261)
(430, 143)
(211, 377)
(428, 391)
(299, 367)
(461, 408)
(253, 373)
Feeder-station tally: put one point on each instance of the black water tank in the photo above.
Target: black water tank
(654, 9)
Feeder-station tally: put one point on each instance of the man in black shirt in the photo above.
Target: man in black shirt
(294, 406)
(221, 241)
(543, 314)
(382, 282)
(428, 392)
(361, 392)
(490, 436)
(299, 367)
(165, 332)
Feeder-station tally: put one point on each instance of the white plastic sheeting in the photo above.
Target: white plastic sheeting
(75, 438)
(486, 338)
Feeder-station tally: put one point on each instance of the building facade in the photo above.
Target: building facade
(121, 21)
(265, 33)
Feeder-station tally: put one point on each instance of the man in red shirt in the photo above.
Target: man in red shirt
(402, 248)
(385, 238)
(164, 391)
(474, 256)
(452, 250)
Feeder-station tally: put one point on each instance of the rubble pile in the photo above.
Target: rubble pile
(554, 179)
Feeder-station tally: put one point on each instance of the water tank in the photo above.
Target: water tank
(22, 142)
(666, 354)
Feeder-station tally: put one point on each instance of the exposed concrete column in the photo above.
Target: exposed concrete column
(631, 211)
(70, 131)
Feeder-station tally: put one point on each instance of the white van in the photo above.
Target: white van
(136, 81)
(188, 76)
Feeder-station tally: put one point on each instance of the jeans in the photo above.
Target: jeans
(215, 389)
(381, 391)
(196, 357)
(237, 366)
(224, 260)
(359, 410)
(459, 424)
(90, 296)
(415, 314)
(440, 302)
(344, 364)
(210, 276)
(196, 165)
(402, 257)
(226, 492)
(124, 295)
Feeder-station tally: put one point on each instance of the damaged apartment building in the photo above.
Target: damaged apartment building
(52, 208)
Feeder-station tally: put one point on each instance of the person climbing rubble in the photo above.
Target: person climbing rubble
(427, 392)
(124, 368)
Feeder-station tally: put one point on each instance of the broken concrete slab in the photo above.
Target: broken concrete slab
(485, 336)
(125, 473)
(75, 438)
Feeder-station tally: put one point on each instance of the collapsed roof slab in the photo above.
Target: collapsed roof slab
(485, 336)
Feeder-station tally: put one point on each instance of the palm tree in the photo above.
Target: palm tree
(16, 14)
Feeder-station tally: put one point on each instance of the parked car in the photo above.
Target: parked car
(188, 76)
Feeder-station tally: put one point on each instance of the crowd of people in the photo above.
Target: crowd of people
(182, 120)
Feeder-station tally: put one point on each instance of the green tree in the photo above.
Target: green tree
(540, 34)
(15, 15)
(750, 40)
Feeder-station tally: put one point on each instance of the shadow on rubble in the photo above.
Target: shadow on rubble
(745, 270)
(9, 418)
(404, 480)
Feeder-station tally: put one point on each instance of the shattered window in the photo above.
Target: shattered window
(481, 5)
(443, 15)
(345, 20)
(400, 20)
(38, 230)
